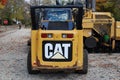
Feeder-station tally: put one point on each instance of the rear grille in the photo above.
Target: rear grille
(58, 25)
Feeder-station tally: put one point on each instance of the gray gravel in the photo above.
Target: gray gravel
(13, 59)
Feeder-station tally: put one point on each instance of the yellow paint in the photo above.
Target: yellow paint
(87, 32)
(1, 6)
(34, 46)
(118, 30)
(87, 23)
(80, 49)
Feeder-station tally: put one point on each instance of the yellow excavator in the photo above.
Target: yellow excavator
(101, 31)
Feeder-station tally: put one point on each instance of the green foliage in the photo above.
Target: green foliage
(17, 9)
(111, 6)
(13, 10)
(116, 13)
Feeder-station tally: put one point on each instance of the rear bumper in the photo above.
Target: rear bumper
(58, 68)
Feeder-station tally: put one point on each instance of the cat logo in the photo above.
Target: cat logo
(57, 51)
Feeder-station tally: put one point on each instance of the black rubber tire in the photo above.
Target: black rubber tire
(85, 63)
(29, 42)
(29, 66)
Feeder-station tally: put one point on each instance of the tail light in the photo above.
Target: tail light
(67, 35)
(44, 35)
(34, 63)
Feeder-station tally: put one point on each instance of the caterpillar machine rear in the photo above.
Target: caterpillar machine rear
(101, 31)
(57, 40)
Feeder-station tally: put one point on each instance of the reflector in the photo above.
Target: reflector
(69, 35)
(44, 35)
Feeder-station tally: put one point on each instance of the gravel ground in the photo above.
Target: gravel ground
(8, 27)
(13, 61)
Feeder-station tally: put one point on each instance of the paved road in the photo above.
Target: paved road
(13, 59)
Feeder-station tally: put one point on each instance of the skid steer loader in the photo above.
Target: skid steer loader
(57, 40)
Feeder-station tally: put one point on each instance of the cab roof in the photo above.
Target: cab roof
(58, 6)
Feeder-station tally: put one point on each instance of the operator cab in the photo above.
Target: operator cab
(55, 14)
(58, 18)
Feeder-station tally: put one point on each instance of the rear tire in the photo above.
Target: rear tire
(85, 63)
(29, 42)
(29, 66)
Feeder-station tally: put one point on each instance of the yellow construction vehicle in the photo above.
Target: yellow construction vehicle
(57, 40)
(101, 31)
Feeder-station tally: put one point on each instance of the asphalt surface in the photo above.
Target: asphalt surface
(13, 61)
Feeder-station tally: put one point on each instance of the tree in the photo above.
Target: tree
(2, 3)
(100, 4)
(17, 8)
(35, 2)
(14, 9)
(110, 6)
(42, 2)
